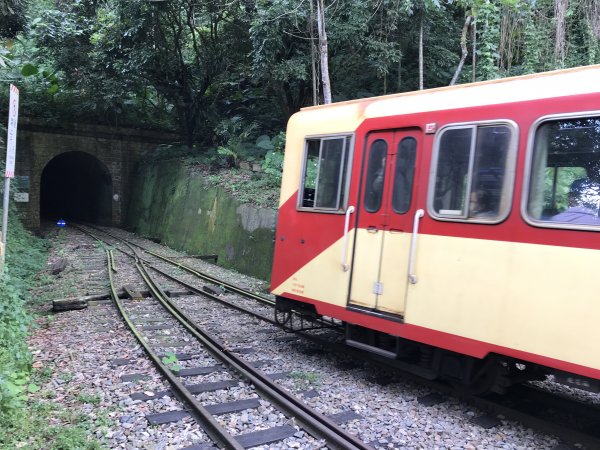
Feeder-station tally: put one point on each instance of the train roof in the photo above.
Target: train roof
(346, 116)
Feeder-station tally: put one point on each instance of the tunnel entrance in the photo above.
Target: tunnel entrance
(76, 186)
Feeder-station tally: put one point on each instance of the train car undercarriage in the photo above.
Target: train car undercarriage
(492, 374)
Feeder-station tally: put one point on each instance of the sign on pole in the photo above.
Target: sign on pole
(11, 147)
(11, 141)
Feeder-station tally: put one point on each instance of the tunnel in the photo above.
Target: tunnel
(76, 186)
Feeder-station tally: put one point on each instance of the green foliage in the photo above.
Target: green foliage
(24, 256)
(564, 179)
(92, 399)
(273, 162)
(170, 360)
(489, 39)
(12, 18)
(239, 69)
(51, 427)
(305, 380)
(15, 359)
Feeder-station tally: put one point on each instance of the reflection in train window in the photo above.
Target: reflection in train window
(564, 184)
(375, 176)
(474, 169)
(324, 174)
(405, 174)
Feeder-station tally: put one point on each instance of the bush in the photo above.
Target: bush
(24, 257)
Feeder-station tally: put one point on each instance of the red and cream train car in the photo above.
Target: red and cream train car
(455, 230)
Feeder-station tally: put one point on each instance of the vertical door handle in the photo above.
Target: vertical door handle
(412, 278)
(349, 211)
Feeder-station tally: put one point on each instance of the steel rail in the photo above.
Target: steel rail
(217, 433)
(487, 404)
(178, 280)
(311, 420)
(188, 269)
(203, 292)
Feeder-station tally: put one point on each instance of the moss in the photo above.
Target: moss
(190, 211)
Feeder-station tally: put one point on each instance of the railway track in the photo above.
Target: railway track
(572, 421)
(149, 317)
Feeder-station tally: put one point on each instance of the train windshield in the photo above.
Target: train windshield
(564, 185)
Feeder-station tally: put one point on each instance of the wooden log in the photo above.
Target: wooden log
(69, 304)
(203, 257)
(133, 293)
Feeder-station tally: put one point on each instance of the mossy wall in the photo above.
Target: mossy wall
(175, 203)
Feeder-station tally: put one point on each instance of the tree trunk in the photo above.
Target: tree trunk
(313, 62)
(474, 55)
(399, 74)
(421, 53)
(465, 51)
(560, 12)
(323, 52)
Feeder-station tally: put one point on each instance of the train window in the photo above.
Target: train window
(405, 174)
(325, 173)
(474, 169)
(564, 187)
(375, 175)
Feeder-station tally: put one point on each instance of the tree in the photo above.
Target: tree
(323, 53)
(214, 69)
(463, 46)
(12, 18)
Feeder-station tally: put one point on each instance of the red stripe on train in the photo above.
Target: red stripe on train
(447, 341)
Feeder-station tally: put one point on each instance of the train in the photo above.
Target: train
(453, 231)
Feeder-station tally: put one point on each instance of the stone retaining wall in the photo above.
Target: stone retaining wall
(175, 204)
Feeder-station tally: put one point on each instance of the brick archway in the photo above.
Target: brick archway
(116, 149)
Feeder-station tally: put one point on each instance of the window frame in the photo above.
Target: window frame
(344, 190)
(527, 178)
(508, 185)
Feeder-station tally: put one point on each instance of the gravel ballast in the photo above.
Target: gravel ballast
(82, 349)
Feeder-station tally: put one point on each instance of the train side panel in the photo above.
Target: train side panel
(538, 299)
(510, 287)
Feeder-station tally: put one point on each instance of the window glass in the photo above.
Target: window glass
(325, 168)
(452, 172)
(565, 172)
(491, 152)
(404, 176)
(311, 168)
(375, 175)
(471, 173)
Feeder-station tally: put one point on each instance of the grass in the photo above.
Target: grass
(304, 380)
(250, 188)
(49, 426)
(91, 399)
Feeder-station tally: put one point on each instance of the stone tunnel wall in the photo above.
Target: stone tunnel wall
(175, 204)
(117, 148)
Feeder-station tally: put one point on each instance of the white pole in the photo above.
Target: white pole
(5, 209)
(11, 145)
(4, 222)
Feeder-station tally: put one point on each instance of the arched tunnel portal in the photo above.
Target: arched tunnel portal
(76, 186)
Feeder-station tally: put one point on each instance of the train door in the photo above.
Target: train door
(380, 262)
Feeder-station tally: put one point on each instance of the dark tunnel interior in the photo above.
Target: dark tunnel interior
(76, 186)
